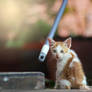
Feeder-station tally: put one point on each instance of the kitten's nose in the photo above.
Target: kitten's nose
(57, 56)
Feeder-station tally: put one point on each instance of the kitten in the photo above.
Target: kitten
(69, 73)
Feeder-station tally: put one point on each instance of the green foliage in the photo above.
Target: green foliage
(33, 33)
(49, 84)
(40, 31)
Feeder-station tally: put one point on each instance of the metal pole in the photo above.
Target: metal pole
(45, 47)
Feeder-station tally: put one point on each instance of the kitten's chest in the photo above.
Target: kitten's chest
(61, 64)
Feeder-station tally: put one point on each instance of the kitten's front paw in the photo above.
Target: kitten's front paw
(65, 84)
(85, 87)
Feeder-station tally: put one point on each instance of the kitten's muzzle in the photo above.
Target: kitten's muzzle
(57, 56)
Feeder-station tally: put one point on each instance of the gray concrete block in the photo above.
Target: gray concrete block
(22, 81)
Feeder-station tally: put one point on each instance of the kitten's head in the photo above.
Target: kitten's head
(59, 49)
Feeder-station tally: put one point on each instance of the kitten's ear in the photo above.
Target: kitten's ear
(51, 42)
(68, 42)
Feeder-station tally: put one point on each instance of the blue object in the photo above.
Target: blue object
(45, 48)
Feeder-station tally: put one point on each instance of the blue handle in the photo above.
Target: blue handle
(45, 47)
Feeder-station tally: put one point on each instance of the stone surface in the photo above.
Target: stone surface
(47, 90)
(22, 81)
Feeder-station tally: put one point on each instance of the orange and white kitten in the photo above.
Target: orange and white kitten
(69, 73)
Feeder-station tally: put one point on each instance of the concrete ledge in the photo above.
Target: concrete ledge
(47, 90)
(21, 81)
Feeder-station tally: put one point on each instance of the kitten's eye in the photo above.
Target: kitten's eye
(54, 51)
(62, 51)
